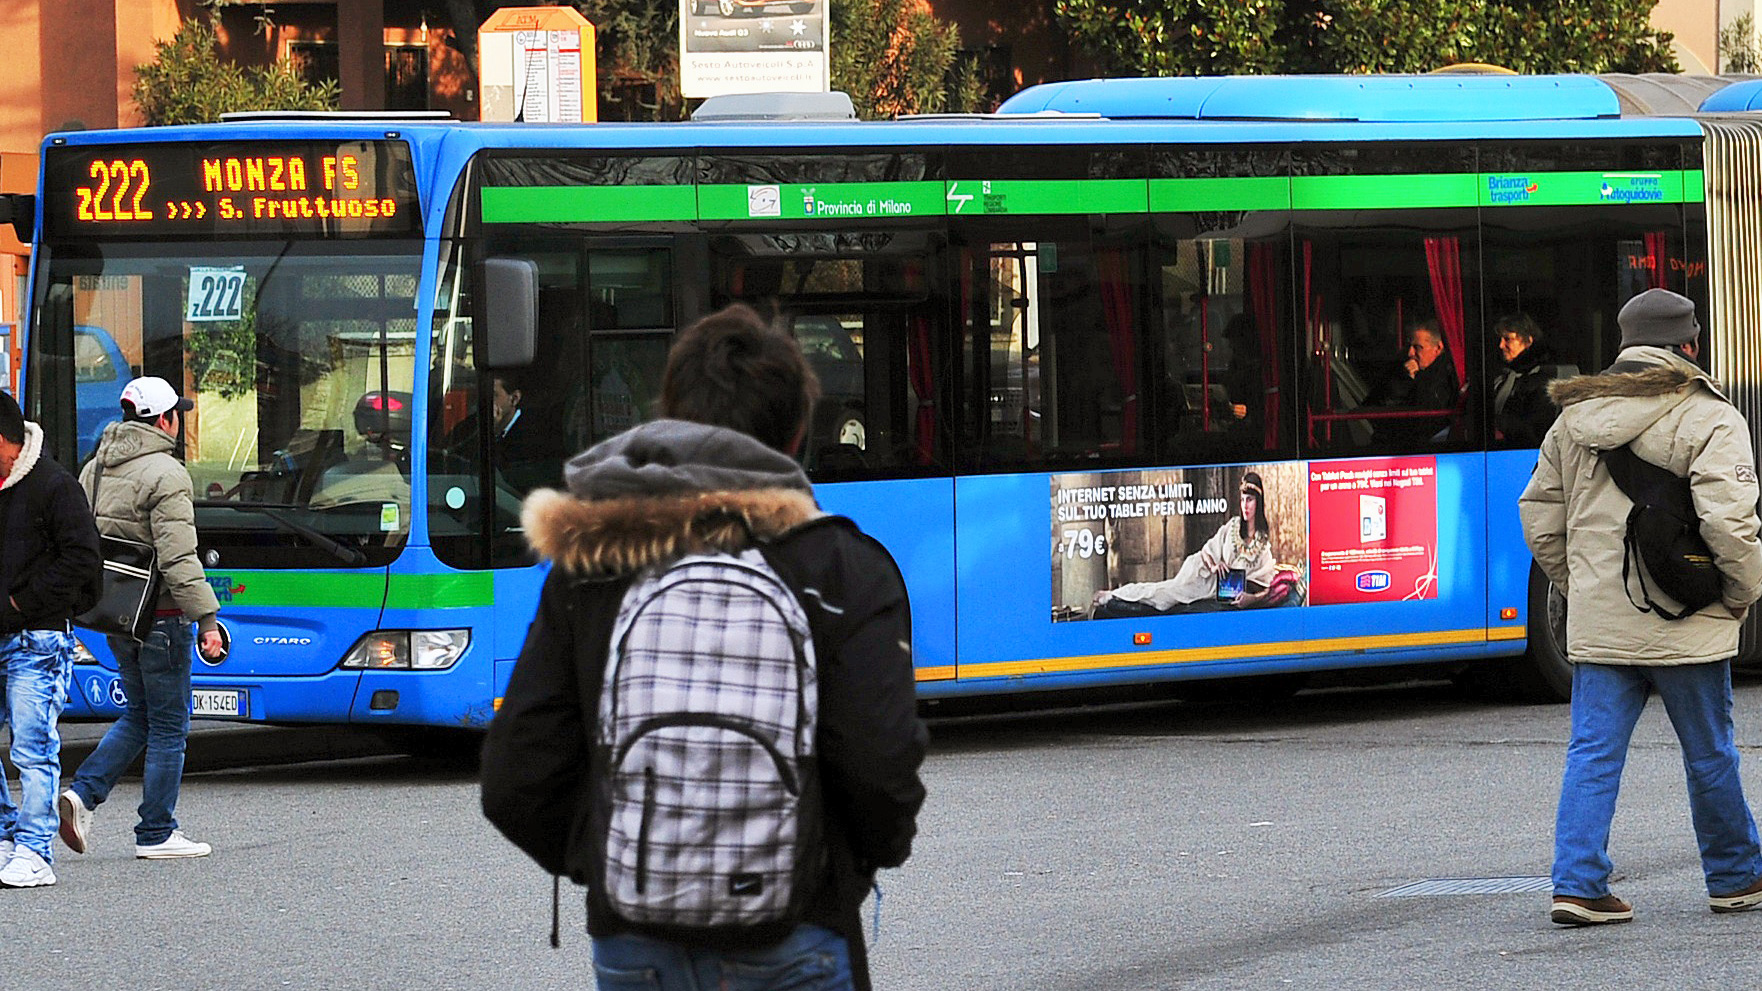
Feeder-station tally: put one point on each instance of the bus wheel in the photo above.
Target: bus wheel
(1542, 675)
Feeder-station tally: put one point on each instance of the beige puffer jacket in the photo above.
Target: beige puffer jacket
(1574, 515)
(145, 495)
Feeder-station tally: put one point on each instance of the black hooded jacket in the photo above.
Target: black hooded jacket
(646, 497)
(49, 559)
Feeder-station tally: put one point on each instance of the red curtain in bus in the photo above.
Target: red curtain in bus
(1122, 338)
(1444, 260)
(1657, 259)
(1262, 290)
(924, 384)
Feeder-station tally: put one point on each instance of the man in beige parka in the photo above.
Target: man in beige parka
(141, 491)
(1656, 399)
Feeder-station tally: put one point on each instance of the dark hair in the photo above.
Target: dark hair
(1252, 485)
(129, 414)
(733, 369)
(1520, 324)
(11, 419)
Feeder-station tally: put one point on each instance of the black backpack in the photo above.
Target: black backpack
(1665, 532)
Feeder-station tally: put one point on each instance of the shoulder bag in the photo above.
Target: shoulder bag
(130, 593)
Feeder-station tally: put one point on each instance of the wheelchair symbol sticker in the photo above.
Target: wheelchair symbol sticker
(117, 698)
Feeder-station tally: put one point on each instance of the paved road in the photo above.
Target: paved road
(1159, 846)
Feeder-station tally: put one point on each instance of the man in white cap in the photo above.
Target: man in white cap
(1659, 404)
(141, 491)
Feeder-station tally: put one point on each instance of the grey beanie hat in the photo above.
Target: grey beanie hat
(1658, 317)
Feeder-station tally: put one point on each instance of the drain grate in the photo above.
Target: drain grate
(1472, 886)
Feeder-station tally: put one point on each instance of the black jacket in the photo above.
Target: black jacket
(49, 559)
(870, 741)
(1522, 411)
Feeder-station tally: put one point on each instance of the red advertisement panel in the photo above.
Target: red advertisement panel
(1373, 530)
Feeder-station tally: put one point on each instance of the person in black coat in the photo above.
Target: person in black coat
(714, 477)
(1522, 411)
(1425, 380)
(52, 570)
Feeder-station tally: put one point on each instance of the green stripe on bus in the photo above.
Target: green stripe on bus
(1586, 188)
(587, 204)
(1003, 197)
(1246, 193)
(821, 201)
(1383, 192)
(297, 588)
(367, 590)
(464, 588)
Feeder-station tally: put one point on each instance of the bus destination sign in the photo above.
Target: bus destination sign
(263, 188)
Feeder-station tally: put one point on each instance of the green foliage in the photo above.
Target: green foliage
(188, 83)
(895, 57)
(1195, 37)
(1176, 37)
(637, 51)
(1739, 50)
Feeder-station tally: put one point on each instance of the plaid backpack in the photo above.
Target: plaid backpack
(706, 807)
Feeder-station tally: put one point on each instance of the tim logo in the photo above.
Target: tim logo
(1373, 581)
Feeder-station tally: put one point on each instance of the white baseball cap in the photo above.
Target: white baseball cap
(152, 396)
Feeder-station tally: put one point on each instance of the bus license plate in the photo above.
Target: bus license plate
(217, 702)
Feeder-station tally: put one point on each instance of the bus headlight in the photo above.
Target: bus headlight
(420, 650)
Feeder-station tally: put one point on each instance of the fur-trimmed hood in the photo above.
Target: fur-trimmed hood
(1609, 410)
(27, 455)
(663, 490)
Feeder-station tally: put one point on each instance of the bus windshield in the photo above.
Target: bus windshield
(298, 354)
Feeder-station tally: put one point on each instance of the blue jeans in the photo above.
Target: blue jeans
(35, 669)
(809, 959)
(156, 678)
(1606, 703)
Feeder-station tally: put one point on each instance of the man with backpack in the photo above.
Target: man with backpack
(713, 721)
(1658, 404)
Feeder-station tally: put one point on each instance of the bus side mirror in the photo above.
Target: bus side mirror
(509, 311)
(19, 210)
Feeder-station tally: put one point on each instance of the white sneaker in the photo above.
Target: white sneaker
(175, 846)
(25, 869)
(6, 847)
(76, 819)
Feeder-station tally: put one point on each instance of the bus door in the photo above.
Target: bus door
(605, 320)
(865, 309)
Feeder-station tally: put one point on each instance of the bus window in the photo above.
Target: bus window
(860, 306)
(1051, 350)
(1559, 274)
(1390, 313)
(277, 343)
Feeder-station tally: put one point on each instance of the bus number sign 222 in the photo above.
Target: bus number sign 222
(215, 294)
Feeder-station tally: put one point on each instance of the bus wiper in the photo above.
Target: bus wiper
(351, 556)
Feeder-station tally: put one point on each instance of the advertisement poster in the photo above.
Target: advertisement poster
(1174, 541)
(752, 46)
(1373, 530)
(1178, 540)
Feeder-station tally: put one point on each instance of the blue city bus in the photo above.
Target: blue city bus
(1057, 341)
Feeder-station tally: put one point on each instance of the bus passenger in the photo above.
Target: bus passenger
(716, 475)
(1522, 411)
(50, 564)
(1426, 380)
(1243, 543)
(1658, 402)
(141, 491)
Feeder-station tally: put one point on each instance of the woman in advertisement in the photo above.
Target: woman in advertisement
(1237, 559)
